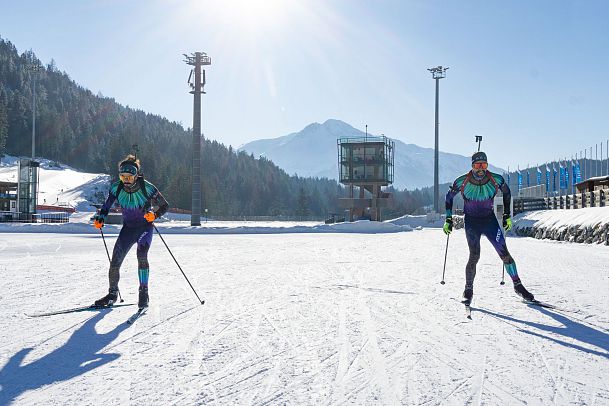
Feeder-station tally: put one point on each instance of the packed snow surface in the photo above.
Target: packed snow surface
(303, 318)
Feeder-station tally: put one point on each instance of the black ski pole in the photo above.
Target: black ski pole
(445, 254)
(176, 261)
(109, 260)
(503, 267)
(107, 252)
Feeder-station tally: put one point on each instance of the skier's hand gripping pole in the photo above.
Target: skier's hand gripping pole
(176, 261)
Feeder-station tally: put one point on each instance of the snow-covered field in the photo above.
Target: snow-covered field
(303, 318)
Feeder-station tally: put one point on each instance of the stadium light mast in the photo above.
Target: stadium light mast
(197, 60)
(34, 68)
(437, 73)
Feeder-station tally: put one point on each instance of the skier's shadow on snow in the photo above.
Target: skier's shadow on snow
(570, 328)
(76, 357)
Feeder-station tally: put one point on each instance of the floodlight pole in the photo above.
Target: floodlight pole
(437, 73)
(197, 60)
(34, 69)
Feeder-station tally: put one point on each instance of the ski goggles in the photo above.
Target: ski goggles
(480, 165)
(127, 173)
(127, 177)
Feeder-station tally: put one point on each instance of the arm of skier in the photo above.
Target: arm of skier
(507, 206)
(450, 195)
(100, 217)
(158, 200)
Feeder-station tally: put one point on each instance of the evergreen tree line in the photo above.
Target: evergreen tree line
(92, 133)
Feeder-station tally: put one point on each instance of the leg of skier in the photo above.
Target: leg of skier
(495, 235)
(123, 244)
(472, 234)
(143, 245)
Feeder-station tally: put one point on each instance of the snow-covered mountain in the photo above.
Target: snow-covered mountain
(313, 152)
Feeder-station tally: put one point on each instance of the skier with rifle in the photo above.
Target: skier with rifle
(136, 197)
(478, 188)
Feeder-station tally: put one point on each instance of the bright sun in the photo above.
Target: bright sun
(251, 16)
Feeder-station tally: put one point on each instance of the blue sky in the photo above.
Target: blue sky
(529, 76)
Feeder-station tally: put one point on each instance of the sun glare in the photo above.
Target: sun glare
(252, 16)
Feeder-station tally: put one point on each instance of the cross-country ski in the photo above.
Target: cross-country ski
(140, 312)
(90, 308)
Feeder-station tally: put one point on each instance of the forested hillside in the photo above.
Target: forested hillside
(92, 133)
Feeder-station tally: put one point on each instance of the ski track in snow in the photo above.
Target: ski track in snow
(303, 319)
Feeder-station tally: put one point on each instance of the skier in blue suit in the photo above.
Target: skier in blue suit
(478, 188)
(137, 197)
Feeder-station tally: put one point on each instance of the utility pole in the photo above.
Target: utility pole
(34, 69)
(197, 60)
(437, 73)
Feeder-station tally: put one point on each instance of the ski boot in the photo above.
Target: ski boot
(522, 292)
(107, 300)
(143, 297)
(468, 294)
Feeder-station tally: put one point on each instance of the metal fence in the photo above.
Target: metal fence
(597, 198)
(18, 217)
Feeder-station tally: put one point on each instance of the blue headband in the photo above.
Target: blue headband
(128, 168)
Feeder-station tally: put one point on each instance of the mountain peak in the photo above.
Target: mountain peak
(312, 152)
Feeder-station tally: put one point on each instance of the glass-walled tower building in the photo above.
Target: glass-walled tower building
(27, 189)
(365, 163)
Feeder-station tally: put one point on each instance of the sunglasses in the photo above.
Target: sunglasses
(480, 165)
(127, 177)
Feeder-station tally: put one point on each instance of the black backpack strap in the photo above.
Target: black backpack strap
(142, 184)
(118, 189)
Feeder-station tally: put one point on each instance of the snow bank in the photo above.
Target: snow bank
(557, 219)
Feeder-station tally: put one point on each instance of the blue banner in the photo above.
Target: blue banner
(538, 176)
(566, 175)
(547, 178)
(561, 177)
(528, 178)
(577, 176)
(553, 177)
(519, 181)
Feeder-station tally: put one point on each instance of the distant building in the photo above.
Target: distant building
(8, 196)
(592, 184)
(365, 163)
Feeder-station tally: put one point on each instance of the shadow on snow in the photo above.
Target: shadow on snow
(570, 328)
(76, 357)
